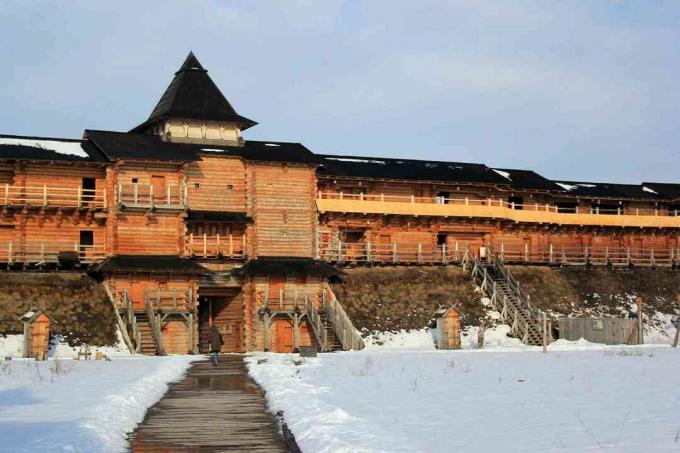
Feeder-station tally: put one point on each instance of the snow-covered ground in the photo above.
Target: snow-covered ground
(80, 406)
(403, 396)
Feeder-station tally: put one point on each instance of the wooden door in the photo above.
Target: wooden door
(284, 335)
(159, 189)
(277, 286)
(136, 294)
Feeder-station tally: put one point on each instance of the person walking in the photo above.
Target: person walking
(216, 343)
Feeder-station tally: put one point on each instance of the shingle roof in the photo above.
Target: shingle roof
(263, 151)
(165, 264)
(527, 179)
(288, 266)
(667, 190)
(123, 145)
(46, 148)
(193, 95)
(408, 169)
(606, 190)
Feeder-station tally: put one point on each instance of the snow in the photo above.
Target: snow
(81, 406)
(504, 174)
(647, 189)
(12, 346)
(363, 161)
(71, 148)
(214, 150)
(577, 397)
(567, 187)
(271, 144)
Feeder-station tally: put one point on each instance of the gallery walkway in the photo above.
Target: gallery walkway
(214, 408)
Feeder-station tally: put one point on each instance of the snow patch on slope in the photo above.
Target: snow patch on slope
(66, 148)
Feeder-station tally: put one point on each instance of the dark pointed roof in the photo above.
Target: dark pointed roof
(193, 95)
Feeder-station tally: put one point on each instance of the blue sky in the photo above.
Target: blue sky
(581, 90)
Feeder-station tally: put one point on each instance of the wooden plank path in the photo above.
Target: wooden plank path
(213, 409)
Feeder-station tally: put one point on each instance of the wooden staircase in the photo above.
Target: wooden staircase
(332, 327)
(147, 344)
(507, 297)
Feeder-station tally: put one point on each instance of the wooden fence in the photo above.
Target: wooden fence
(600, 330)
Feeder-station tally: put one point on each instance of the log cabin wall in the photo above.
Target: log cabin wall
(281, 203)
(217, 183)
(149, 234)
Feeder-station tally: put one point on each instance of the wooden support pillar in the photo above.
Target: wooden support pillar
(296, 331)
(265, 319)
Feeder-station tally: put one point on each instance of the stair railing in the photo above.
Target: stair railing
(349, 336)
(131, 322)
(119, 320)
(155, 322)
(317, 324)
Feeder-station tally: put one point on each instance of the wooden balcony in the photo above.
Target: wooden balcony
(44, 253)
(207, 246)
(148, 196)
(597, 255)
(52, 196)
(168, 301)
(550, 254)
(492, 208)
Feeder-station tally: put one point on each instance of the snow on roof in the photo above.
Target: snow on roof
(363, 161)
(567, 187)
(647, 189)
(504, 174)
(213, 150)
(70, 148)
(271, 144)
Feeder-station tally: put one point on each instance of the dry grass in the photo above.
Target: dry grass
(395, 298)
(76, 302)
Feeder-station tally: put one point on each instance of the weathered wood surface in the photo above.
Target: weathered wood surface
(214, 408)
(600, 330)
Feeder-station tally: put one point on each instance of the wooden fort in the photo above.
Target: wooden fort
(189, 225)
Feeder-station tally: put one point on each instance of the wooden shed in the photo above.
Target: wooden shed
(447, 327)
(36, 334)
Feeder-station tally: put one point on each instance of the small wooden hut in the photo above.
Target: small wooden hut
(36, 334)
(447, 322)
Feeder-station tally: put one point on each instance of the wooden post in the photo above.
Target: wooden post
(44, 195)
(7, 194)
(205, 244)
(444, 260)
(296, 332)
(545, 333)
(151, 200)
(639, 302)
(265, 320)
(80, 197)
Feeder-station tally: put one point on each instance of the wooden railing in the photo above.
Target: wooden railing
(393, 252)
(130, 321)
(495, 208)
(349, 336)
(216, 246)
(317, 324)
(155, 324)
(149, 196)
(287, 300)
(169, 300)
(596, 255)
(52, 196)
(48, 252)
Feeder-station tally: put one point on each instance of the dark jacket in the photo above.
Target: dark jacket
(216, 341)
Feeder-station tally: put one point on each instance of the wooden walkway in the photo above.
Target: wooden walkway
(215, 408)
